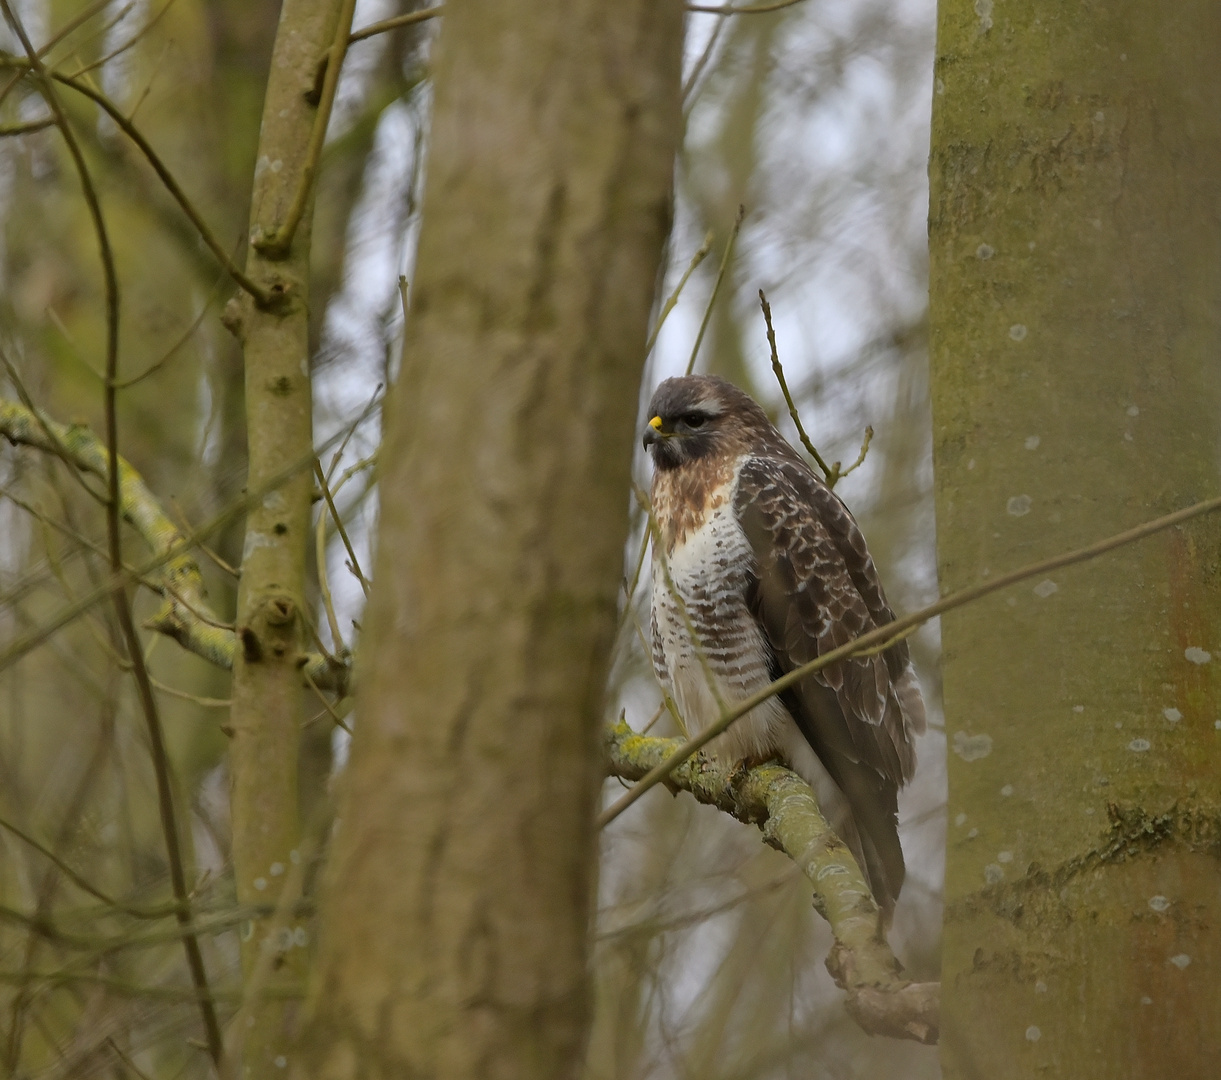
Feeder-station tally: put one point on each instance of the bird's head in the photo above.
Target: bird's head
(696, 417)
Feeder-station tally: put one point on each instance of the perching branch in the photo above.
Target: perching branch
(185, 615)
(782, 805)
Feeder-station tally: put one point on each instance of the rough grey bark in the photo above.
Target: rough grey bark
(1076, 336)
(454, 927)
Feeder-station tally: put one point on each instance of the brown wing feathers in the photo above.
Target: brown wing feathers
(817, 589)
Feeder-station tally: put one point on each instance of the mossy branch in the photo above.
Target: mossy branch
(185, 615)
(783, 806)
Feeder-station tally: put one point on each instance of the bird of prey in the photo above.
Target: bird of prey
(758, 568)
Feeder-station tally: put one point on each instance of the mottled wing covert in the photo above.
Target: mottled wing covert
(816, 588)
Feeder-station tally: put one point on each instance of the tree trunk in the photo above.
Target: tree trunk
(1076, 337)
(454, 925)
(266, 710)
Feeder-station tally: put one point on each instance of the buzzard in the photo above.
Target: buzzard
(758, 568)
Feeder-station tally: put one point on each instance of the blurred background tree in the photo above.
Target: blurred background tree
(708, 959)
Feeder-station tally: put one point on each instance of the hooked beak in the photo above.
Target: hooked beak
(653, 433)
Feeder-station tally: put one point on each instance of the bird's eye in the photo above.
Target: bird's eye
(694, 420)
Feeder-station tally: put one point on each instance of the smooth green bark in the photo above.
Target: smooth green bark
(1076, 335)
(272, 615)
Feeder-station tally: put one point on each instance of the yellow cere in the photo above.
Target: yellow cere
(655, 423)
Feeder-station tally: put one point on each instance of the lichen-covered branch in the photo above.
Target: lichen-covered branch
(783, 806)
(185, 615)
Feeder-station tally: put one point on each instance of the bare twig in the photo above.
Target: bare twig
(186, 336)
(750, 9)
(28, 128)
(328, 708)
(324, 582)
(339, 526)
(261, 296)
(217, 561)
(80, 19)
(828, 474)
(114, 516)
(716, 288)
(698, 69)
(130, 43)
(386, 25)
(424, 14)
(672, 299)
(890, 630)
(860, 458)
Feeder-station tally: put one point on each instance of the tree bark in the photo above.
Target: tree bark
(266, 710)
(454, 925)
(1076, 329)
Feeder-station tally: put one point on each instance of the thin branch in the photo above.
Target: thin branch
(278, 241)
(324, 581)
(130, 43)
(79, 20)
(328, 708)
(752, 9)
(102, 32)
(187, 334)
(424, 14)
(890, 630)
(699, 256)
(828, 474)
(784, 807)
(186, 695)
(186, 615)
(220, 563)
(698, 69)
(54, 439)
(114, 517)
(262, 297)
(387, 25)
(151, 993)
(860, 458)
(9, 130)
(716, 288)
(63, 867)
(343, 533)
